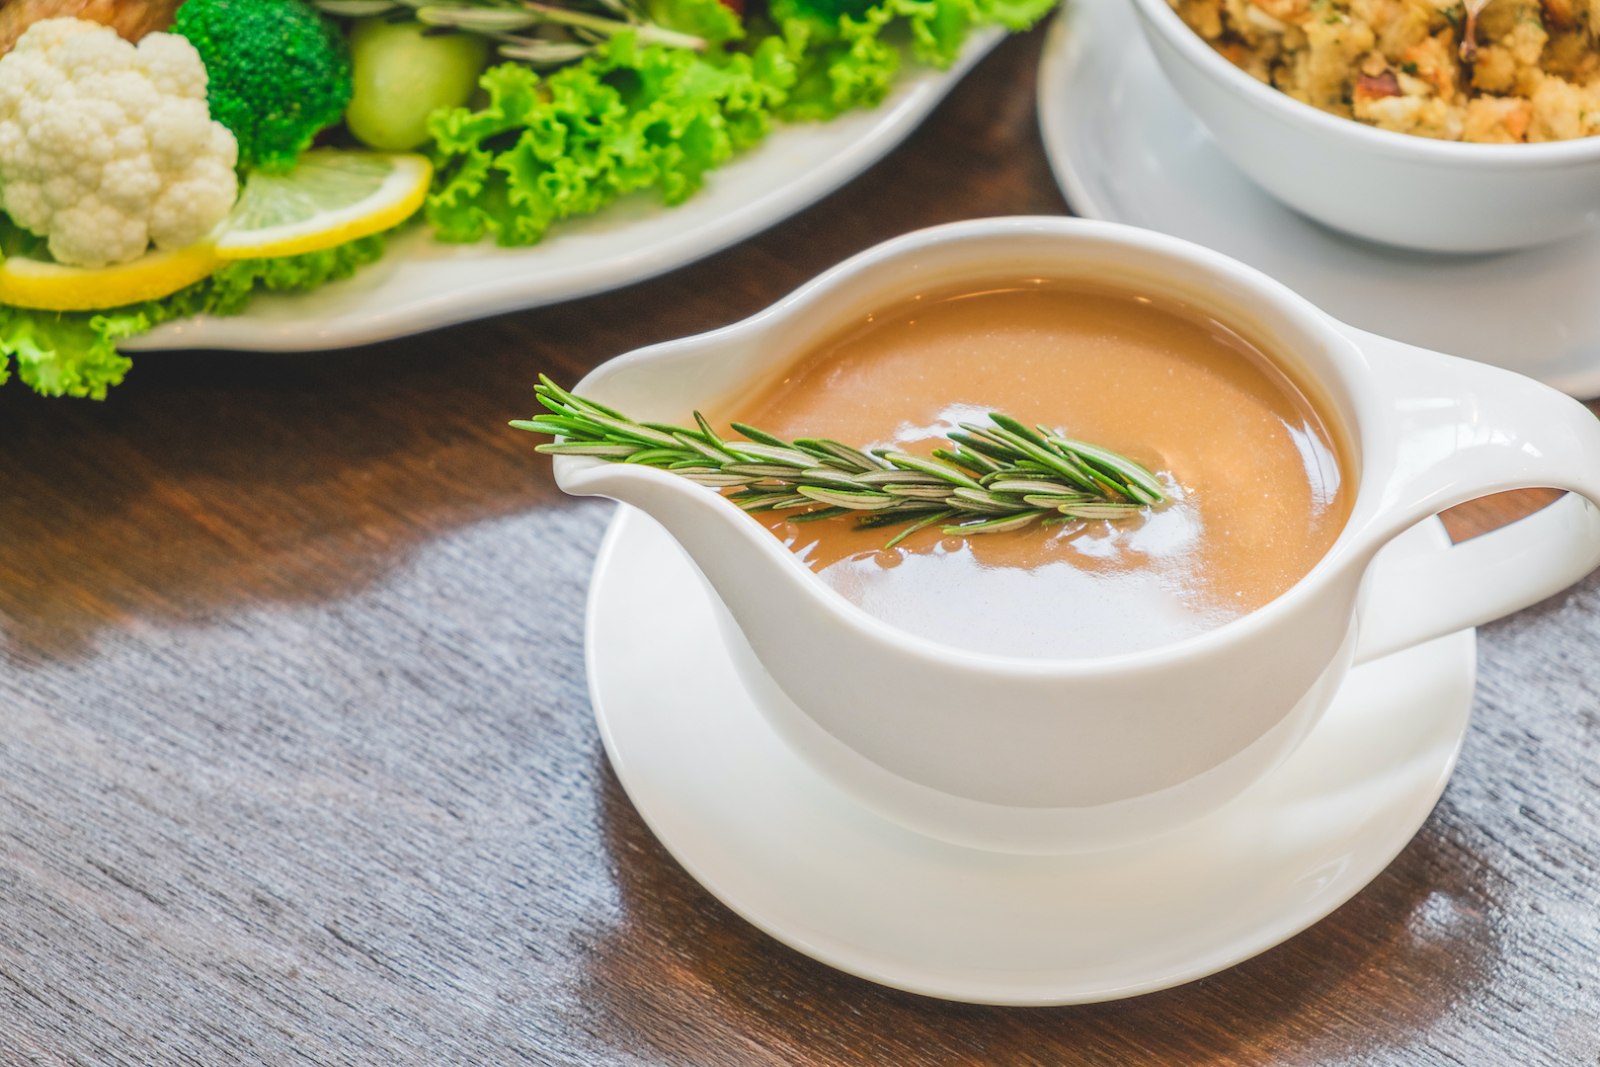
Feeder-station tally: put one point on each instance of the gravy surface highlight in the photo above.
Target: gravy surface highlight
(1255, 480)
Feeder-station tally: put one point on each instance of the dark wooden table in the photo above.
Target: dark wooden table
(297, 763)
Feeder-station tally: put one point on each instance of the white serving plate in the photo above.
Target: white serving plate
(422, 284)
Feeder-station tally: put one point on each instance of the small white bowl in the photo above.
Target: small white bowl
(1393, 188)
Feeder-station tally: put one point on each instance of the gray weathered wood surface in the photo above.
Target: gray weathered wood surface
(297, 764)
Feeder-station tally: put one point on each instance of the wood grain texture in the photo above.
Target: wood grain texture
(297, 763)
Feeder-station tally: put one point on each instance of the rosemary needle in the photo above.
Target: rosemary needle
(1002, 476)
(538, 34)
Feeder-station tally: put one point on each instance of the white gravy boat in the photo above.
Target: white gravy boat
(1034, 755)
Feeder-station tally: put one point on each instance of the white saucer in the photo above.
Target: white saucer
(1125, 148)
(790, 853)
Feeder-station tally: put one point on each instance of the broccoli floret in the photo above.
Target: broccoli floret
(279, 70)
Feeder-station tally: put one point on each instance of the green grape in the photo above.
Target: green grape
(402, 76)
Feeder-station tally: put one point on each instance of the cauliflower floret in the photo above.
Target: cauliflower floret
(107, 147)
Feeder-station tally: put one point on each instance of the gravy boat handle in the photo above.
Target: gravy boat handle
(1467, 430)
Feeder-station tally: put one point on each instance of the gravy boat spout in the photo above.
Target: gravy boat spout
(1038, 755)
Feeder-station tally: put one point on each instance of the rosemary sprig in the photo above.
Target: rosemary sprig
(540, 34)
(1003, 476)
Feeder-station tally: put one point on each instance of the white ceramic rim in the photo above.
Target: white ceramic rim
(1581, 151)
(1250, 627)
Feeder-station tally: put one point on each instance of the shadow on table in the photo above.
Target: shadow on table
(211, 480)
(684, 981)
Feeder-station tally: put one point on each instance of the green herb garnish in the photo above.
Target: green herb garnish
(1003, 476)
(516, 26)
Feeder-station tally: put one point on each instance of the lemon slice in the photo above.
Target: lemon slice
(33, 283)
(330, 197)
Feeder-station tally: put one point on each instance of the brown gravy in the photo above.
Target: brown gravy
(1257, 491)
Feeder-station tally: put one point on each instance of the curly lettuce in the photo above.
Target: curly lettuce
(74, 353)
(847, 54)
(625, 119)
(630, 118)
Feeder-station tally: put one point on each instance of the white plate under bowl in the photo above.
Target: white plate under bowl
(789, 852)
(421, 284)
(1125, 148)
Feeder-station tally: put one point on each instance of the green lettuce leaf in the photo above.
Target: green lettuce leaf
(230, 289)
(630, 118)
(626, 119)
(74, 353)
(847, 54)
(66, 354)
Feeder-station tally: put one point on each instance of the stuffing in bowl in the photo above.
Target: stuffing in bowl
(1501, 72)
(1320, 101)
